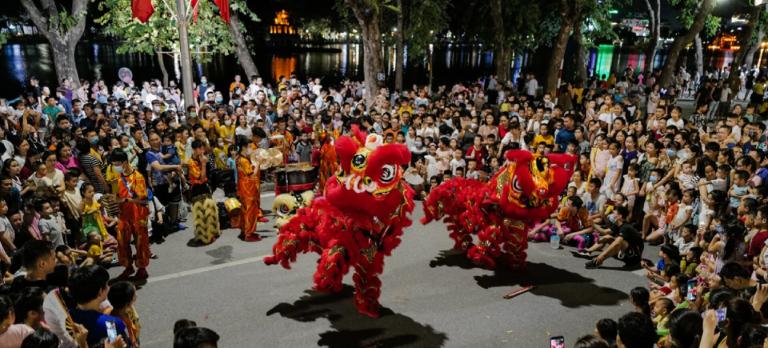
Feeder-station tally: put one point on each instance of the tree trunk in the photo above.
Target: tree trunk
(747, 43)
(369, 21)
(668, 72)
(400, 54)
(63, 43)
(654, 16)
(650, 57)
(241, 47)
(161, 62)
(65, 63)
(501, 52)
(699, 55)
(581, 57)
(750, 56)
(556, 60)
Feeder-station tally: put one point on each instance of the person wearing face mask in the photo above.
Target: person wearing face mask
(226, 130)
(236, 87)
(157, 109)
(235, 102)
(132, 196)
(418, 150)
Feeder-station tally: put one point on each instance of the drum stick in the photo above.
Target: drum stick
(517, 292)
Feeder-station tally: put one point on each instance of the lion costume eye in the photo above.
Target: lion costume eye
(358, 161)
(387, 173)
(516, 185)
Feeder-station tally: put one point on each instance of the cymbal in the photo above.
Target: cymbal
(268, 157)
(274, 156)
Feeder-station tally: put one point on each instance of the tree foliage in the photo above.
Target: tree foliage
(424, 19)
(596, 23)
(688, 9)
(208, 34)
(525, 26)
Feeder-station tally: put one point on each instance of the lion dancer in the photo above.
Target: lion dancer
(358, 221)
(248, 192)
(134, 216)
(205, 213)
(501, 211)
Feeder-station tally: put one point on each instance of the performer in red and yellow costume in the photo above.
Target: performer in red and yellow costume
(329, 162)
(205, 213)
(249, 193)
(134, 216)
(357, 222)
(499, 212)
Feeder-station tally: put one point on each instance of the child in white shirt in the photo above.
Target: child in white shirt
(457, 161)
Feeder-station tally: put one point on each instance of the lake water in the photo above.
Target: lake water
(332, 62)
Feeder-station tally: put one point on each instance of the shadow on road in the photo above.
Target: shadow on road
(452, 258)
(572, 289)
(222, 254)
(351, 329)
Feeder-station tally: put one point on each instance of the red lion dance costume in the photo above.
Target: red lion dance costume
(356, 223)
(500, 212)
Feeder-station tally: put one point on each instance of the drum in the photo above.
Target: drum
(232, 204)
(296, 178)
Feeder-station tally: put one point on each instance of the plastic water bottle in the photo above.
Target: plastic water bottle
(554, 241)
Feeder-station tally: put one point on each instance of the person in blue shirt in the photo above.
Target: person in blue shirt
(565, 134)
(89, 288)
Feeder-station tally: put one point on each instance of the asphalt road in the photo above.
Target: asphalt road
(432, 296)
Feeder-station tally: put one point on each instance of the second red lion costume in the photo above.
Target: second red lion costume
(525, 191)
(357, 222)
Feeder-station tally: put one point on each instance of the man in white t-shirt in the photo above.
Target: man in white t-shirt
(531, 86)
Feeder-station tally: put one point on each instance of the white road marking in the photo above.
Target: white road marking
(204, 269)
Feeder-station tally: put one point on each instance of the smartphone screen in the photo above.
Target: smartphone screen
(721, 312)
(691, 296)
(557, 342)
(111, 331)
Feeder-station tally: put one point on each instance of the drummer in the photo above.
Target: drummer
(282, 139)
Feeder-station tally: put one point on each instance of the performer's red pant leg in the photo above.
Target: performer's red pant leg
(133, 226)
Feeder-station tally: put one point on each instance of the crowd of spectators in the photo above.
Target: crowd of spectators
(693, 182)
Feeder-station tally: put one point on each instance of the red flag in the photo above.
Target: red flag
(194, 11)
(142, 9)
(223, 8)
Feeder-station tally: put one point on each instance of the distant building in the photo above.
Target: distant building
(282, 25)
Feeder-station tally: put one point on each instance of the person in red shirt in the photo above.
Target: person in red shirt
(477, 151)
(759, 224)
(503, 124)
